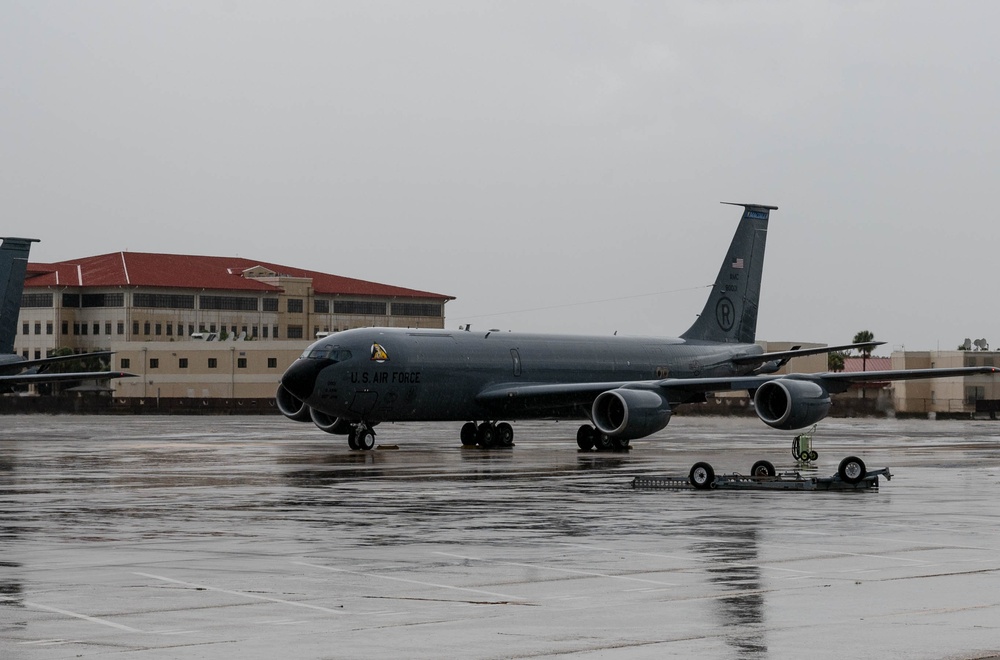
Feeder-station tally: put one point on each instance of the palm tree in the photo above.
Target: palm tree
(864, 337)
(835, 361)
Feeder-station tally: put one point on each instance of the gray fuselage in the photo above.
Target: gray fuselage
(383, 374)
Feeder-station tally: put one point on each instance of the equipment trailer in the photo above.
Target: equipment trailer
(851, 475)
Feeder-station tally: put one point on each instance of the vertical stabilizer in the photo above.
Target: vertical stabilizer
(13, 264)
(730, 315)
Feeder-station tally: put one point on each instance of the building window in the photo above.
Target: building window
(76, 329)
(213, 363)
(36, 300)
(274, 332)
(295, 305)
(71, 300)
(238, 303)
(38, 327)
(416, 309)
(103, 300)
(48, 327)
(65, 327)
(162, 301)
(38, 355)
(135, 327)
(83, 328)
(159, 329)
(154, 363)
(253, 330)
(211, 328)
(107, 327)
(170, 329)
(180, 329)
(24, 328)
(295, 332)
(241, 363)
(190, 329)
(145, 328)
(182, 363)
(266, 330)
(359, 307)
(126, 363)
(121, 327)
(321, 306)
(272, 363)
(97, 329)
(269, 304)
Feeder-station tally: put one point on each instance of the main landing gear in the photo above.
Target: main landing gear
(588, 438)
(488, 434)
(361, 437)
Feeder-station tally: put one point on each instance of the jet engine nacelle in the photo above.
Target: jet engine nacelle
(335, 425)
(291, 406)
(789, 404)
(630, 414)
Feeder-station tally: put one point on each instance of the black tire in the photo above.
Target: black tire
(468, 435)
(505, 435)
(352, 439)
(619, 445)
(701, 476)
(813, 455)
(485, 434)
(852, 470)
(585, 437)
(365, 440)
(603, 441)
(762, 469)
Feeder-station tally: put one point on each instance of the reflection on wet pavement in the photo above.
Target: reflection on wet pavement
(256, 537)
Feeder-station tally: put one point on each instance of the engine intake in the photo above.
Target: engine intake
(335, 425)
(630, 414)
(789, 404)
(291, 406)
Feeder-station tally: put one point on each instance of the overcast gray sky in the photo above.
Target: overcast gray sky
(525, 155)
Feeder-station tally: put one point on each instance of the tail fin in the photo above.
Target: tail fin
(730, 315)
(13, 264)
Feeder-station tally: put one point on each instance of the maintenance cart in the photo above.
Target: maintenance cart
(851, 475)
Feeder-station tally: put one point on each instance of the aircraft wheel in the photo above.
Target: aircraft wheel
(352, 438)
(603, 441)
(585, 437)
(852, 470)
(505, 434)
(484, 435)
(813, 455)
(619, 445)
(701, 476)
(762, 469)
(365, 440)
(468, 435)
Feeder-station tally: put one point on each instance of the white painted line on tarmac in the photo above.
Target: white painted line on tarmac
(561, 570)
(408, 581)
(242, 594)
(77, 615)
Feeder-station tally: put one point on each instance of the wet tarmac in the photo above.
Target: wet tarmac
(256, 537)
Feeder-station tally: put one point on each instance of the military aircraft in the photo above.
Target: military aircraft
(624, 387)
(15, 369)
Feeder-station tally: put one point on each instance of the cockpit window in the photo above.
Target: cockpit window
(327, 352)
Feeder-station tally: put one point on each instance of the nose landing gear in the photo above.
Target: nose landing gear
(361, 437)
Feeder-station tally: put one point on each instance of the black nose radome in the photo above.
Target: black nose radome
(300, 378)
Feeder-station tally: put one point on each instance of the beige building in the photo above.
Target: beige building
(93, 303)
(944, 395)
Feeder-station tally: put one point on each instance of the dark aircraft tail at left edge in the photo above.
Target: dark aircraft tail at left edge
(15, 369)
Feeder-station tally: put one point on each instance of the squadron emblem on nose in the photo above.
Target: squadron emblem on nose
(378, 353)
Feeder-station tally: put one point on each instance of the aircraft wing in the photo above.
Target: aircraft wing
(41, 363)
(681, 390)
(784, 356)
(34, 379)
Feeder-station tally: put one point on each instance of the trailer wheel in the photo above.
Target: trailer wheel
(852, 470)
(762, 469)
(813, 455)
(701, 475)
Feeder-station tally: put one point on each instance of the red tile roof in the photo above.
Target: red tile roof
(180, 271)
(855, 364)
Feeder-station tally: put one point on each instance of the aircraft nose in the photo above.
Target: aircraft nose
(300, 377)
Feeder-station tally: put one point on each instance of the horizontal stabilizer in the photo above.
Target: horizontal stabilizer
(799, 352)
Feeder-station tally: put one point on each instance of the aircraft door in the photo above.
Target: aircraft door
(364, 402)
(516, 358)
